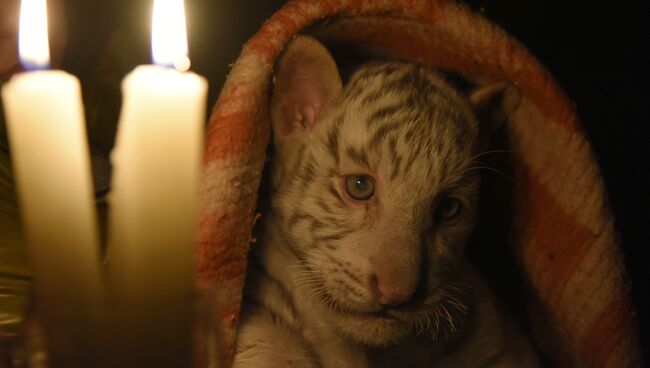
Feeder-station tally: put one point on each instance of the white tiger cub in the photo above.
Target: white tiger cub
(373, 197)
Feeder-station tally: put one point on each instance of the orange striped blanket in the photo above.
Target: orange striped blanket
(561, 232)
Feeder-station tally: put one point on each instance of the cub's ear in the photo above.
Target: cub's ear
(306, 84)
(493, 103)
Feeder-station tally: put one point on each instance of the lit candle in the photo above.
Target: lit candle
(154, 196)
(49, 151)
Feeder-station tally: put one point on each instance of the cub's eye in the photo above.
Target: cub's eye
(448, 208)
(360, 187)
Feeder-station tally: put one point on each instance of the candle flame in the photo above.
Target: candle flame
(169, 34)
(33, 45)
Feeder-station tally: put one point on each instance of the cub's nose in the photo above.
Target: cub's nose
(386, 294)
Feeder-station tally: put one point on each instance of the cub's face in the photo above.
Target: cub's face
(375, 188)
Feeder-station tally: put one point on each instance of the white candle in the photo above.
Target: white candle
(153, 200)
(156, 165)
(47, 135)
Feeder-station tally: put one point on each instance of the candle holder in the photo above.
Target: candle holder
(32, 347)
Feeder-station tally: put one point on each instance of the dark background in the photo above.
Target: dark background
(598, 53)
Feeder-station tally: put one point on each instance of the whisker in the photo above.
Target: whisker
(437, 320)
(490, 152)
(458, 306)
(447, 316)
(489, 169)
(456, 285)
(419, 327)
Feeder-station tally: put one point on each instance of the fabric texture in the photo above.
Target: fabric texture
(562, 231)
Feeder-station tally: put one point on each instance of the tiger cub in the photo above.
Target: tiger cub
(373, 198)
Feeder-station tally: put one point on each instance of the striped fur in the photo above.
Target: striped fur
(307, 299)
